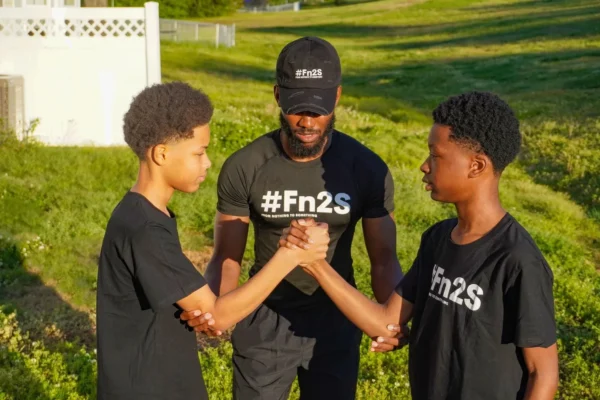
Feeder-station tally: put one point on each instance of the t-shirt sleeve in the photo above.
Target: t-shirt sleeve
(379, 200)
(233, 188)
(407, 287)
(164, 273)
(532, 303)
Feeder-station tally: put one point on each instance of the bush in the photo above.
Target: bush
(29, 370)
(188, 8)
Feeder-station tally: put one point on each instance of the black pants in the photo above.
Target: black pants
(270, 349)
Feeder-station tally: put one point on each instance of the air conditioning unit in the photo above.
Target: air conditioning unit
(12, 104)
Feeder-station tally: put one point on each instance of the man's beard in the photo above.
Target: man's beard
(298, 148)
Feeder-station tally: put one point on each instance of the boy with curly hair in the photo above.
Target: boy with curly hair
(479, 292)
(144, 279)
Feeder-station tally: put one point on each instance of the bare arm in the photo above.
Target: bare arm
(542, 364)
(371, 317)
(238, 303)
(380, 240)
(224, 268)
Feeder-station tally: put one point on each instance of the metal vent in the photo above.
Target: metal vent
(12, 104)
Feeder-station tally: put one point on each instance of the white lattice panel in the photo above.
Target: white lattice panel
(81, 67)
(72, 27)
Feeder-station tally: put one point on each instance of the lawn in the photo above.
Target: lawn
(399, 59)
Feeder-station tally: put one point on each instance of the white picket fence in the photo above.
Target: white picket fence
(295, 6)
(81, 67)
(179, 31)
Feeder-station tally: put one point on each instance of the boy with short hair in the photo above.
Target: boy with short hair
(144, 279)
(479, 291)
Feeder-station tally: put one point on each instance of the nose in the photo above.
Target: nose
(208, 162)
(425, 167)
(307, 120)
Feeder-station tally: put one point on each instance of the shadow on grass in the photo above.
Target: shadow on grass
(493, 29)
(43, 317)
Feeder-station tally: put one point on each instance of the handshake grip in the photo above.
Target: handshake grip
(309, 238)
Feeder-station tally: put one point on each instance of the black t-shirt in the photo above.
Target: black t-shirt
(347, 183)
(475, 305)
(144, 351)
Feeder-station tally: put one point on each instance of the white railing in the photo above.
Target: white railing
(40, 3)
(295, 6)
(181, 31)
(80, 67)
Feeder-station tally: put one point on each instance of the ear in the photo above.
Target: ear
(338, 95)
(276, 93)
(158, 154)
(480, 164)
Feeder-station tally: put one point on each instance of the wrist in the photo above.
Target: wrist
(314, 267)
(291, 256)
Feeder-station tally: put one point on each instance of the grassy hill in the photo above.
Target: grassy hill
(399, 59)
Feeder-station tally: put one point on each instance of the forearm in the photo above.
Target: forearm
(239, 303)
(371, 317)
(222, 275)
(385, 277)
(541, 387)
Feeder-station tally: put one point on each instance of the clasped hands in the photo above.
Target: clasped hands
(298, 235)
(313, 237)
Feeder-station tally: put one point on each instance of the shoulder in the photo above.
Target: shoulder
(128, 215)
(361, 154)
(522, 252)
(254, 154)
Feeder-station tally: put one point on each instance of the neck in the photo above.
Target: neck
(287, 148)
(478, 215)
(153, 187)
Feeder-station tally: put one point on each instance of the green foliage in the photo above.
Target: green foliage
(188, 8)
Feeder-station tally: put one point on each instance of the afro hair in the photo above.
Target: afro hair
(164, 112)
(483, 122)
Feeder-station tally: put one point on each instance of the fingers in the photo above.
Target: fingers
(394, 328)
(299, 234)
(318, 235)
(292, 242)
(305, 222)
(200, 322)
(187, 315)
(209, 331)
(384, 344)
(203, 319)
(295, 237)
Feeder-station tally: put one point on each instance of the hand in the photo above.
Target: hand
(315, 244)
(295, 236)
(385, 344)
(200, 322)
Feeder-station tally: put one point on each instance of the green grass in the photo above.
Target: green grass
(400, 59)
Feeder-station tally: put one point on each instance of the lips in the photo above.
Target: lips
(307, 137)
(428, 185)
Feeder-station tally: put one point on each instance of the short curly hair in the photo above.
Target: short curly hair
(483, 122)
(164, 112)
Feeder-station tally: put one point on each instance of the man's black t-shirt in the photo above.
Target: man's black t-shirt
(347, 183)
(144, 352)
(475, 305)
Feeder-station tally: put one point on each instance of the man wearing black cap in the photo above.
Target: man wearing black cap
(304, 169)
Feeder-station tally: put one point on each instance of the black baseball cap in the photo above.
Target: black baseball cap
(308, 75)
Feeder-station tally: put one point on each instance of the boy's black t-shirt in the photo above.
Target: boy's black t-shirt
(144, 351)
(347, 183)
(475, 305)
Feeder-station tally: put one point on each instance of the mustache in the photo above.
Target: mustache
(302, 131)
